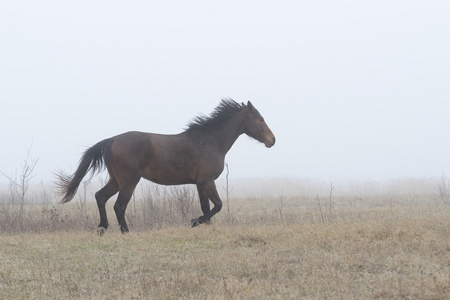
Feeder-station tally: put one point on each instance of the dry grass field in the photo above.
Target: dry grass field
(293, 248)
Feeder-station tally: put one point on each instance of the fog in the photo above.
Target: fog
(353, 90)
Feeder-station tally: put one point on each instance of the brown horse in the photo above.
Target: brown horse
(195, 156)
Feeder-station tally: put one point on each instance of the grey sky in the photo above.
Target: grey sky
(351, 89)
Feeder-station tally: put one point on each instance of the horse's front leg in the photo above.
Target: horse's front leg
(207, 192)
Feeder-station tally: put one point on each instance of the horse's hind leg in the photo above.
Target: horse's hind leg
(121, 205)
(111, 188)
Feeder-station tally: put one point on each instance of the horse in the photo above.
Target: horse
(194, 156)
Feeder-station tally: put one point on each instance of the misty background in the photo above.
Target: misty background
(353, 90)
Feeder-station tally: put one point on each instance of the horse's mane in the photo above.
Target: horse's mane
(224, 110)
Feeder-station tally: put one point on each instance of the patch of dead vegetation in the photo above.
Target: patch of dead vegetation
(405, 255)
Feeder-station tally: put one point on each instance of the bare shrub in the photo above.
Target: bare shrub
(281, 206)
(228, 193)
(81, 206)
(18, 187)
(160, 206)
(444, 189)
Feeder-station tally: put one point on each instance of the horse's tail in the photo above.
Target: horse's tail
(94, 158)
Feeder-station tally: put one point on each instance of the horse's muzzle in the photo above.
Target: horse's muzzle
(270, 143)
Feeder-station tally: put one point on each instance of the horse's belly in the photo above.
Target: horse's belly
(169, 182)
(167, 177)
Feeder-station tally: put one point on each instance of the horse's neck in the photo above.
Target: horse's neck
(228, 132)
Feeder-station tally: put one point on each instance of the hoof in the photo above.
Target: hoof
(194, 223)
(101, 231)
(124, 230)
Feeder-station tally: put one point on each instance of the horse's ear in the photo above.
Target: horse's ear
(250, 105)
(243, 104)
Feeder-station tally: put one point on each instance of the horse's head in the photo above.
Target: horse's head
(256, 127)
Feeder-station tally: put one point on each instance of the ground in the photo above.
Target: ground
(344, 253)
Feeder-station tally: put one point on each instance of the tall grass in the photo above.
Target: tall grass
(154, 206)
(368, 254)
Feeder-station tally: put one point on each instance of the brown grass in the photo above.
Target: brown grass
(358, 252)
